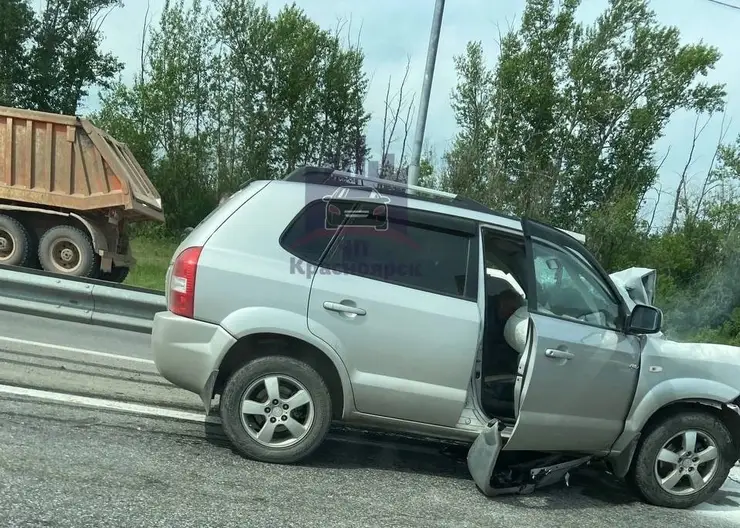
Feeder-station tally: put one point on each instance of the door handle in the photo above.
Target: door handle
(343, 308)
(554, 353)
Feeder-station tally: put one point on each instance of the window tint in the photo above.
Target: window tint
(405, 253)
(308, 235)
(569, 287)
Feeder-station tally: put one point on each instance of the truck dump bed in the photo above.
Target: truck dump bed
(66, 163)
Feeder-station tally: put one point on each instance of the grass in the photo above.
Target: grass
(152, 258)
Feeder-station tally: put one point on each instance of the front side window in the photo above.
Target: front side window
(403, 252)
(569, 287)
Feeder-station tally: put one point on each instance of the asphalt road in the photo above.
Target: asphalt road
(71, 467)
(67, 464)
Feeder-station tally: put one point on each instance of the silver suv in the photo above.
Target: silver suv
(425, 313)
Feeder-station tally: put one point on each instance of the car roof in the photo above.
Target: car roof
(317, 179)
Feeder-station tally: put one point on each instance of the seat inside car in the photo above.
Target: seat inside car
(498, 368)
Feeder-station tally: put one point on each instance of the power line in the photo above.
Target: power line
(719, 2)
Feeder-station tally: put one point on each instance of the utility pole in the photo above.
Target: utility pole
(426, 91)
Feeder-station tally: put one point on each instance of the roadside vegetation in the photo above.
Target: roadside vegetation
(562, 126)
(152, 259)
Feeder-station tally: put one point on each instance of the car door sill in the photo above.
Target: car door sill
(418, 429)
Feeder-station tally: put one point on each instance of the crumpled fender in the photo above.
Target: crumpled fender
(483, 455)
(516, 478)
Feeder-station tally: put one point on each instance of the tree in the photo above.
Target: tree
(298, 94)
(19, 25)
(166, 117)
(231, 93)
(699, 258)
(563, 129)
(397, 109)
(65, 57)
(469, 169)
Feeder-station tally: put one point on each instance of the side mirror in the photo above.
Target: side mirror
(645, 319)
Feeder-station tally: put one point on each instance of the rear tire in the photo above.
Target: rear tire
(664, 454)
(15, 243)
(298, 431)
(67, 250)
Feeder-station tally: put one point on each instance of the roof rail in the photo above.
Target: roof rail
(392, 183)
(329, 176)
(324, 175)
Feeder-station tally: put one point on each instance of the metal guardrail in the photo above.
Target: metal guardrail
(91, 301)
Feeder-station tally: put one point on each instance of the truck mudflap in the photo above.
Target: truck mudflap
(514, 473)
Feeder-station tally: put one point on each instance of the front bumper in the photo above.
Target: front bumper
(187, 352)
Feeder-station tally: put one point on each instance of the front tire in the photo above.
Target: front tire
(276, 409)
(683, 460)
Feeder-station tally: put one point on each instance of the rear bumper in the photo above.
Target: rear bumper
(187, 353)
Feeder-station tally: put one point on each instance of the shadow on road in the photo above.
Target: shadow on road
(350, 449)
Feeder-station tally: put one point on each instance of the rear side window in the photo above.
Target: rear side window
(308, 236)
(399, 247)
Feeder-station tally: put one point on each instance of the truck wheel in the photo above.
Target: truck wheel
(116, 274)
(276, 409)
(68, 251)
(15, 242)
(683, 460)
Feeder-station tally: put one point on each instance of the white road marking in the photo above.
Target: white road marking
(731, 514)
(111, 405)
(14, 341)
(163, 412)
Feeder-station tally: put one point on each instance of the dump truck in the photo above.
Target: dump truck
(68, 192)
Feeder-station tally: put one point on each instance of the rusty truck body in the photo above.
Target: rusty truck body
(68, 190)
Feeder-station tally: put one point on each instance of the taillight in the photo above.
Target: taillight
(182, 282)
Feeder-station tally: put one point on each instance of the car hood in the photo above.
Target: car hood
(719, 363)
(636, 285)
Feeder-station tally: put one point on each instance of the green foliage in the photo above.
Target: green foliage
(18, 23)
(66, 58)
(727, 333)
(233, 93)
(48, 62)
(563, 128)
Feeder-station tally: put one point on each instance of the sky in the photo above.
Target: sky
(394, 31)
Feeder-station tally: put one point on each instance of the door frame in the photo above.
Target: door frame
(505, 232)
(534, 230)
(537, 231)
